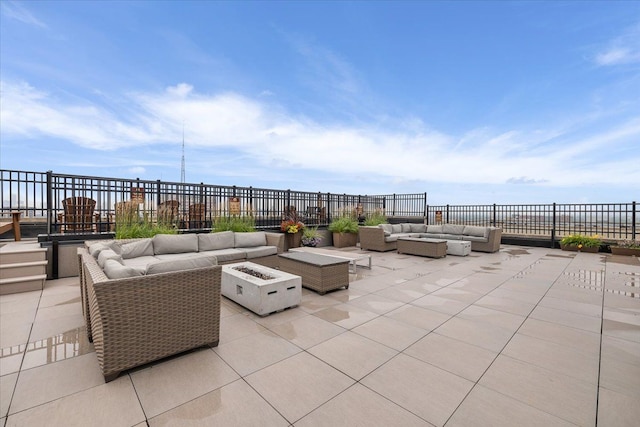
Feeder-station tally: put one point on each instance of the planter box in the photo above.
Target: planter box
(343, 240)
(616, 250)
(574, 248)
(293, 240)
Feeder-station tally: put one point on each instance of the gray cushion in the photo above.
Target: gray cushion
(142, 247)
(260, 251)
(96, 248)
(472, 230)
(249, 240)
(387, 228)
(174, 243)
(114, 270)
(170, 257)
(418, 228)
(452, 229)
(181, 264)
(214, 241)
(108, 254)
(392, 238)
(406, 228)
(226, 255)
(436, 229)
(140, 262)
(396, 228)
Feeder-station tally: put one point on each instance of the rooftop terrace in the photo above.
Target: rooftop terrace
(524, 336)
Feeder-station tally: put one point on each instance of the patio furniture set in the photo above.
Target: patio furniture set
(147, 299)
(430, 240)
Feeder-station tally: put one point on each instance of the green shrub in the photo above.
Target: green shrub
(344, 224)
(129, 226)
(234, 223)
(375, 218)
(577, 239)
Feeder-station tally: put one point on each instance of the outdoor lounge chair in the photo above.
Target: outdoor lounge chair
(78, 216)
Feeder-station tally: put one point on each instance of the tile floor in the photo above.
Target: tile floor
(522, 337)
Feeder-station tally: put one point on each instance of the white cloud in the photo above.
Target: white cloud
(267, 135)
(624, 49)
(15, 10)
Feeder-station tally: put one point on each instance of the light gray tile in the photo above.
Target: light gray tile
(409, 383)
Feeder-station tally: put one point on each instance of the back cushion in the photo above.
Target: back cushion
(472, 230)
(175, 243)
(434, 229)
(406, 228)
(108, 254)
(96, 248)
(114, 270)
(387, 228)
(396, 228)
(215, 241)
(418, 228)
(452, 229)
(249, 240)
(142, 247)
(182, 264)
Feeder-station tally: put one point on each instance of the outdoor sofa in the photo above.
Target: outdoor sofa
(384, 237)
(146, 299)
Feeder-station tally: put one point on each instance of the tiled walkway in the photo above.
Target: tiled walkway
(522, 337)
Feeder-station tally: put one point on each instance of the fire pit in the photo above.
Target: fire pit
(261, 289)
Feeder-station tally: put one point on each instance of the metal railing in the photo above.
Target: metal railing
(610, 221)
(39, 196)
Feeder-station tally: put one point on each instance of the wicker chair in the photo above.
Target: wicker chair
(78, 216)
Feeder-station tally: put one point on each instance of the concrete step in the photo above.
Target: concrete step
(22, 284)
(19, 252)
(23, 269)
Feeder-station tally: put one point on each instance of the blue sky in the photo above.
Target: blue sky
(471, 102)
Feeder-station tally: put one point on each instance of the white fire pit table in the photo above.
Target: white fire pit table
(273, 291)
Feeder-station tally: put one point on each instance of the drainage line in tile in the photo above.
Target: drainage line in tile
(604, 291)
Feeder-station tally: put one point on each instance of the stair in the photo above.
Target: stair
(23, 267)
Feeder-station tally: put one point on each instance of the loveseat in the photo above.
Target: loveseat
(384, 237)
(146, 299)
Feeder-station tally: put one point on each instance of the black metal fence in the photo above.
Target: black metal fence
(39, 195)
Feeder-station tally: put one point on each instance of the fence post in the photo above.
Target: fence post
(494, 215)
(447, 216)
(426, 214)
(553, 227)
(49, 200)
(633, 221)
(328, 208)
(425, 207)
(393, 211)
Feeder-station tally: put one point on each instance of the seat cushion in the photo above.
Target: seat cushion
(171, 257)
(140, 262)
(215, 241)
(201, 261)
(174, 243)
(260, 251)
(227, 255)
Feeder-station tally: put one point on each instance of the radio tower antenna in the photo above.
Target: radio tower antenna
(182, 171)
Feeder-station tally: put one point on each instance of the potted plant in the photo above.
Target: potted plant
(293, 232)
(577, 242)
(345, 231)
(626, 247)
(311, 237)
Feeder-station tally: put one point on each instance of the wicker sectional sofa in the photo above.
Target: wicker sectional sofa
(146, 299)
(384, 237)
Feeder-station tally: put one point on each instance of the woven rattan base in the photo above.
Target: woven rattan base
(432, 248)
(319, 273)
